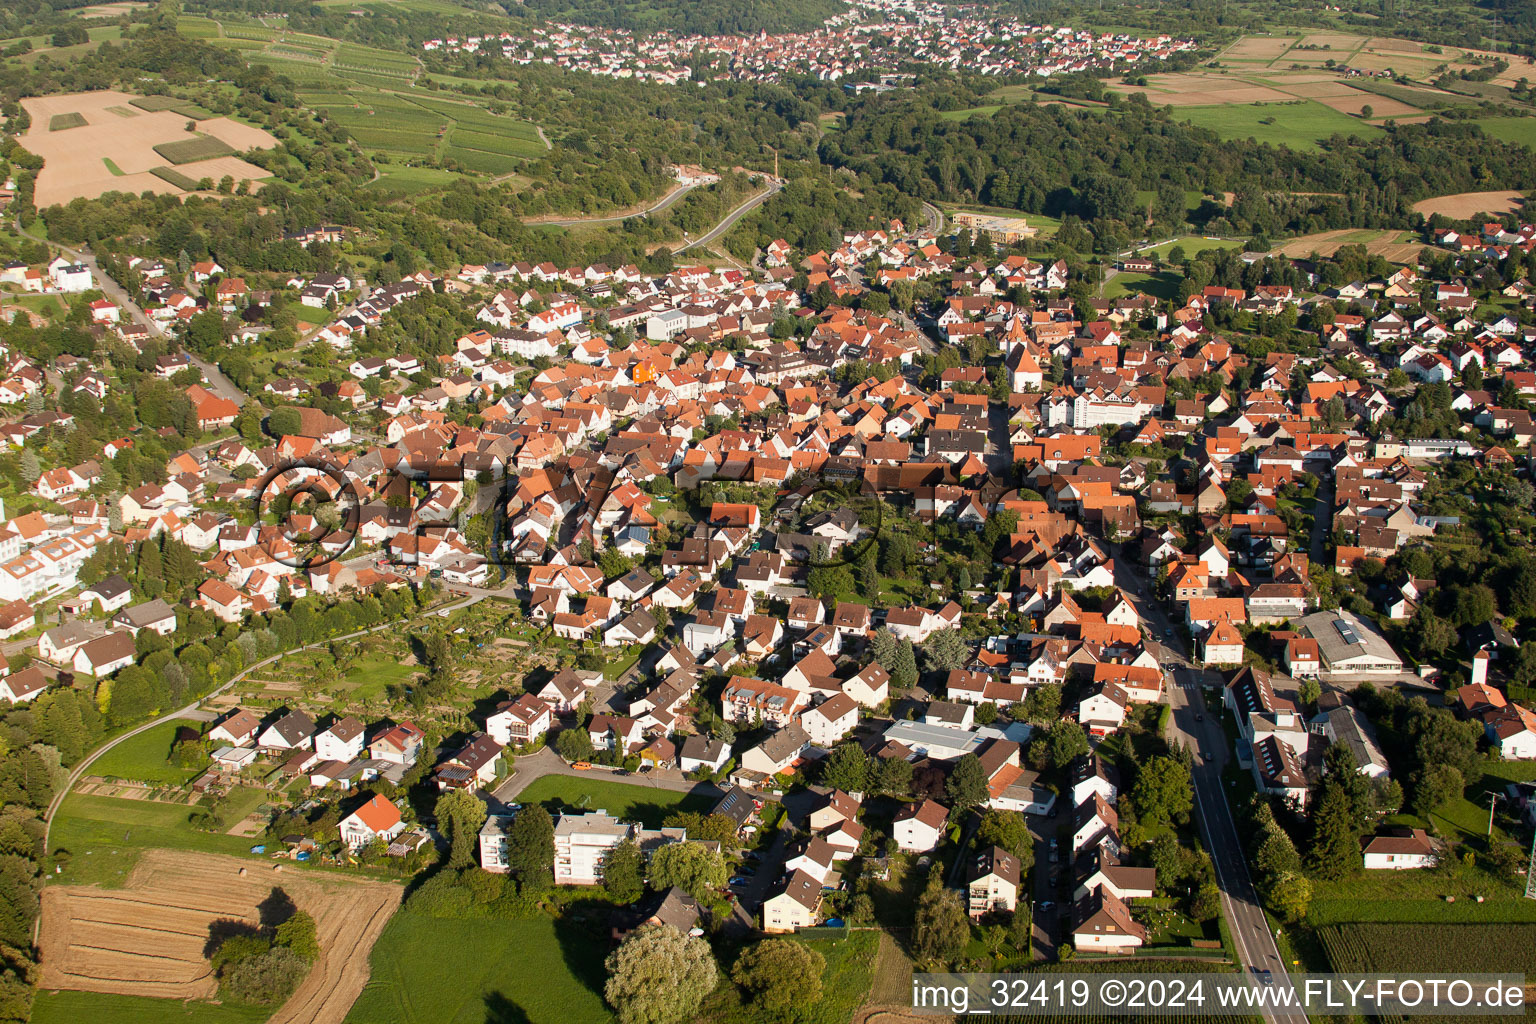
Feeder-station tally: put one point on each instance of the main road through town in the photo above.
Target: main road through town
(1206, 741)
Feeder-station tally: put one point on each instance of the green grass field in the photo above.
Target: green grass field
(1520, 130)
(186, 151)
(430, 971)
(631, 802)
(406, 180)
(145, 757)
(1193, 244)
(175, 177)
(1161, 284)
(112, 168)
(968, 112)
(74, 1007)
(61, 122)
(1298, 125)
(104, 836)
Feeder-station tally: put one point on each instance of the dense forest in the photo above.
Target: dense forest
(1058, 160)
(718, 17)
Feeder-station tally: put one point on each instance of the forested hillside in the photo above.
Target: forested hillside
(713, 18)
(1091, 163)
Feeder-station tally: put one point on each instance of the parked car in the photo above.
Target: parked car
(582, 766)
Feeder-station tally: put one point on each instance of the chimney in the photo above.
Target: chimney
(1479, 667)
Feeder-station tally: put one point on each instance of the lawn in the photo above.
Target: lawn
(1162, 284)
(1511, 129)
(312, 314)
(104, 836)
(433, 971)
(645, 804)
(1193, 245)
(411, 179)
(146, 757)
(73, 1007)
(1298, 125)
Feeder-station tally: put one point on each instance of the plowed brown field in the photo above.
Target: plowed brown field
(149, 938)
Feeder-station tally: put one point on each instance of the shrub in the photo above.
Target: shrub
(266, 978)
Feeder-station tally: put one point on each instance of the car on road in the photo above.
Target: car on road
(740, 883)
(1208, 756)
(1199, 717)
(1055, 856)
(1047, 905)
(582, 766)
(1266, 976)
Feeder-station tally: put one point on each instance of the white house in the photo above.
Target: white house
(342, 741)
(919, 828)
(1399, 849)
(376, 819)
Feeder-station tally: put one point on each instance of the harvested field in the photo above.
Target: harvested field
(187, 151)
(1355, 102)
(1258, 48)
(73, 160)
(1195, 90)
(153, 103)
(1385, 244)
(148, 938)
(61, 122)
(1468, 204)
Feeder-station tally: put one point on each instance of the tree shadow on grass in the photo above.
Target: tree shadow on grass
(583, 932)
(501, 1010)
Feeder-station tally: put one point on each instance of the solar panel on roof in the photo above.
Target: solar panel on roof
(1347, 632)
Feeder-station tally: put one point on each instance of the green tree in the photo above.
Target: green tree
(940, 928)
(895, 775)
(1008, 830)
(460, 814)
(782, 977)
(904, 675)
(1162, 793)
(1291, 895)
(1434, 787)
(659, 976)
(1335, 850)
(298, 934)
(1067, 742)
(531, 848)
(692, 867)
(967, 784)
(945, 651)
(622, 873)
(846, 768)
(574, 744)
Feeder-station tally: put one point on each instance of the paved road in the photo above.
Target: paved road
(661, 204)
(217, 382)
(193, 710)
(110, 288)
(935, 219)
(732, 217)
(1322, 521)
(1256, 949)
